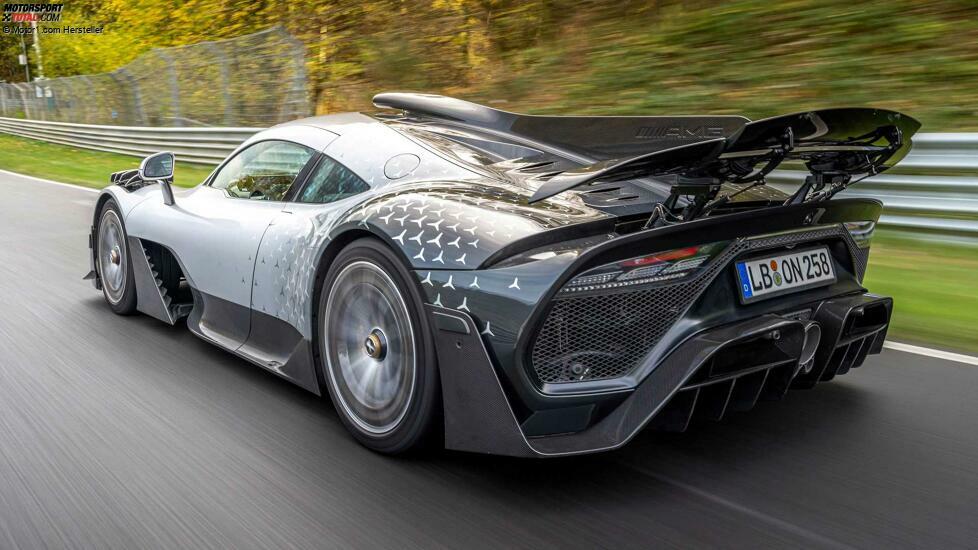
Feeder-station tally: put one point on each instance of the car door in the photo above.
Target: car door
(293, 242)
(215, 230)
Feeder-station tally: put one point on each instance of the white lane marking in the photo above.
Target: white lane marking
(746, 510)
(52, 182)
(936, 353)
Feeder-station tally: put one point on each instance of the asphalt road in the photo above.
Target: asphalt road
(126, 433)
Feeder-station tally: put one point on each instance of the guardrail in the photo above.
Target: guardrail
(942, 204)
(936, 198)
(926, 191)
(203, 145)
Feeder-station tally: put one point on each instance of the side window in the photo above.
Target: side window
(264, 171)
(331, 182)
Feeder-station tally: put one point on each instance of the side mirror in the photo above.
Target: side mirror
(159, 167)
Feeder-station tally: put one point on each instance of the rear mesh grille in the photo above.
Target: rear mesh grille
(604, 336)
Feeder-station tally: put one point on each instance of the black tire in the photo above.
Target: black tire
(371, 324)
(113, 260)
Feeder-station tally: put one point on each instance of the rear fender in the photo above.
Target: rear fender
(462, 225)
(510, 299)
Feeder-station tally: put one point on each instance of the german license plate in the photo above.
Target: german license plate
(784, 273)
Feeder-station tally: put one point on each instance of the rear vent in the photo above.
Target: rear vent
(861, 332)
(601, 337)
(604, 336)
(169, 278)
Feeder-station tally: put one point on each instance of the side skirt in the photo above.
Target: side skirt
(259, 338)
(269, 342)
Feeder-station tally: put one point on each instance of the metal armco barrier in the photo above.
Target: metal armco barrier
(199, 145)
(943, 204)
(937, 198)
(927, 191)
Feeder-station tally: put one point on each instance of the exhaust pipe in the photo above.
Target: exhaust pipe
(813, 335)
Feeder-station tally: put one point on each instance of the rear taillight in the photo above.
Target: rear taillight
(661, 257)
(654, 268)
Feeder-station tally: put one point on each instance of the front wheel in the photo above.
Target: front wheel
(114, 261)
(377, 359)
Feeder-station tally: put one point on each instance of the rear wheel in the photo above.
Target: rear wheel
(376, 357)
(114, 261)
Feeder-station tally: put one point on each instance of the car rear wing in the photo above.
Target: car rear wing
(584, 138)
(834, 144)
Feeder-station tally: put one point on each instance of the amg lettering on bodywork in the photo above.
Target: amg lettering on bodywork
(679, 132)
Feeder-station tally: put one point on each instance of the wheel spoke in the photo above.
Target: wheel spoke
(370, 343)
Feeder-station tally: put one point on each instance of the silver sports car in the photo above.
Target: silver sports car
(523, 285)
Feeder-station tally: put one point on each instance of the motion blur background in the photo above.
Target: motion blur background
(752, 57)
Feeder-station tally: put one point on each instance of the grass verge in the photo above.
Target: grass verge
(933, 284)
(78, 166)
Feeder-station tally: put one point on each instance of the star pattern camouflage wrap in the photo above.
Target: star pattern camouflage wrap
(568, 280)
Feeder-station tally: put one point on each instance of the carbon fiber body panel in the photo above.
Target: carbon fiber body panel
(715, 372)
(479, 417)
